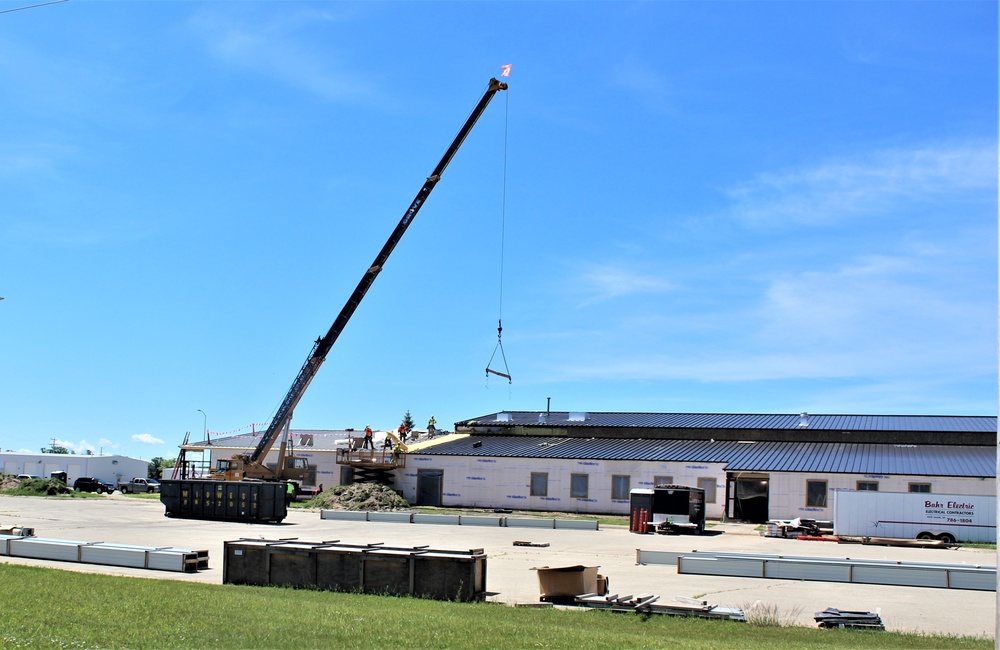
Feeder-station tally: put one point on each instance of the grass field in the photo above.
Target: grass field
(51, 608)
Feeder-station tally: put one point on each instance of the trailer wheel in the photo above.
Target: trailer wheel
(925, 536)
(947, 538)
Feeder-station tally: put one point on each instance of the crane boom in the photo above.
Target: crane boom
(322, 345)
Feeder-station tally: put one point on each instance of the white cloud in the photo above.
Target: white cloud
(81, 447)
(878, 318)
(146, 439)
(648, 84)
(866, 185)
(270, 47)
(601, 282)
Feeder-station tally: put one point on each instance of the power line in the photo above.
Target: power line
(44, 4)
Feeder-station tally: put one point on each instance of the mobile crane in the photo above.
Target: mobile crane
(289, 468)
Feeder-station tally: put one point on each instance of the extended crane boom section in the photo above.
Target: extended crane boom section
(323, 345)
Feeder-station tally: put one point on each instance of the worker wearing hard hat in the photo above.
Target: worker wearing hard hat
(369, 443)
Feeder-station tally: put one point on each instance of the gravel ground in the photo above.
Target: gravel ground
(510, 578)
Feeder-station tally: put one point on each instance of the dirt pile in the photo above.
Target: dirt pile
(33, 486)
(360, 496)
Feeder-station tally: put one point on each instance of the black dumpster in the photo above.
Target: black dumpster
(250, 501)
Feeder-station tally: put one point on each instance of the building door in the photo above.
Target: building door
(749, 497)
(430, 485)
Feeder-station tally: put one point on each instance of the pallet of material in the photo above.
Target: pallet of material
(17, 531)
(648, 603)
(894, 541)
(832, 617)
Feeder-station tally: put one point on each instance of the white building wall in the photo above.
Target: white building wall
(483, 482)
(787, 491)
(478, 482)
(113, 468)
(106, 468)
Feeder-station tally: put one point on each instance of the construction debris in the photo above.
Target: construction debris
(832, 617)
(798, 528)
(532, 544)
(649, 604)
(360, 496)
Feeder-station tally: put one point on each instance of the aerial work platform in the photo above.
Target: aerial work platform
(372, 458)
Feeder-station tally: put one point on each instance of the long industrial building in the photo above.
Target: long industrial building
(111, 468)
(753, 467)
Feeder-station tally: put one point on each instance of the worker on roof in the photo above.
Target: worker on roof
(402, 432)
(430, 427)
(369, 444)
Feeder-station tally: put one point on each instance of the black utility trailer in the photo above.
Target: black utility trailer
(667, 509)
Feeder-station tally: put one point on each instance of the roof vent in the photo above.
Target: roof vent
(803, 419)
(503, 417)
(543, 418)
(577, 416)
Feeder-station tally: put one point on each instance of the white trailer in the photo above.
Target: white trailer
(915, 515)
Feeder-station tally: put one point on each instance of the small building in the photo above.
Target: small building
(107, 468)
(753, 467)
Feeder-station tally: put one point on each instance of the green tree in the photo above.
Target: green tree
(157, 465)
(408, 421)
(55, 449)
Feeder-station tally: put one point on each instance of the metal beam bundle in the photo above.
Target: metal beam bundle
(878, 572)
(161, 558)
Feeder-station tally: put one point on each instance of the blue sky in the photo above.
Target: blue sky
(705, 207)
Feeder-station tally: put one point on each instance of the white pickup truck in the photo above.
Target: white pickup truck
(138, 484)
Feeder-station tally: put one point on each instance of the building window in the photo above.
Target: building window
(867, 486)
(539, 484)
(578, 485)
(816, 494)
(708, 484)
(620, 486)
(920, 487)
(663, 480)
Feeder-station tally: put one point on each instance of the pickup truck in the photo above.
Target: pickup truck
(138, 485)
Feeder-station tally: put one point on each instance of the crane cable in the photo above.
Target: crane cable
(503, 216)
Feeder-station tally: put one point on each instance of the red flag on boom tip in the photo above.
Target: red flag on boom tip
(506, 70)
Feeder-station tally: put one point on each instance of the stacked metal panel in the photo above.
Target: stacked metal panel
(459, 520)
(879, 572)
(141, 557)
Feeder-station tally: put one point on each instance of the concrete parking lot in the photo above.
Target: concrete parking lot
(510, 578)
